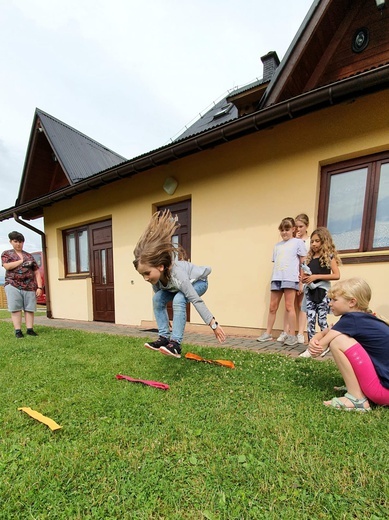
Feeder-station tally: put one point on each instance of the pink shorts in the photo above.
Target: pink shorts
(367, 376)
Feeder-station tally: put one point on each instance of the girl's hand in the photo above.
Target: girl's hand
(315, 348)
(220, 334)
(307, 279)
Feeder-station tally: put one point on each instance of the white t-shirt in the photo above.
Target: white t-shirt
(286, 258)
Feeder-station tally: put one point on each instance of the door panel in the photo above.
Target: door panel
(102, 271)
(181, 210)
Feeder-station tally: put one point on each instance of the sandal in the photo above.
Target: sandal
(340, 405)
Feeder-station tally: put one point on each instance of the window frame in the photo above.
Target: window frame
(65, 234)
(365, 253)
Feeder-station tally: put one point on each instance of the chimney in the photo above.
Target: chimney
(270, 63)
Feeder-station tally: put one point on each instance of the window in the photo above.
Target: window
(76, 251)
(354, 205)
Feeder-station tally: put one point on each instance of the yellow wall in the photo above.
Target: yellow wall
(240, 191)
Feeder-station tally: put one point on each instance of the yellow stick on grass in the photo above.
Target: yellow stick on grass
(41, 418)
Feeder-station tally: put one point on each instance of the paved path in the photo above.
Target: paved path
(194, 338)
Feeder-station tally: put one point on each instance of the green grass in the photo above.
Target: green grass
(250, 443)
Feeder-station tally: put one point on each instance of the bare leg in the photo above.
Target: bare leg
(301, 316)
(29, 317)
(17, 319)
(275, 298)
(290, 295)
(338, 347)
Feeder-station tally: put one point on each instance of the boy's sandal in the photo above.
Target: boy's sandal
(340, 388)
(357, 404)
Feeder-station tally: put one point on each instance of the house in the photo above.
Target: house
(311, 136)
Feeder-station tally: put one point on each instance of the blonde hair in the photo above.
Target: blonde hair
(302, 217)
(155, 245)
(355, 289)
(328, 249)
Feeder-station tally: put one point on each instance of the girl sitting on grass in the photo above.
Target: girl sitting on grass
(175, 280)
(359, 343)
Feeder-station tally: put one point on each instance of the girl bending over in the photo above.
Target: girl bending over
(175, 280)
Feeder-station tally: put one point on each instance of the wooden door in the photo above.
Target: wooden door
(182, 211)
(100, 239)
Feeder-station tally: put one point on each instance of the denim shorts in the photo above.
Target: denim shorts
(285, 284)
(19, 300)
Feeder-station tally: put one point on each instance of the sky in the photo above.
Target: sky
(129, 74)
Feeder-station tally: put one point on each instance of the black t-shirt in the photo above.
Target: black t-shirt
(373, 334)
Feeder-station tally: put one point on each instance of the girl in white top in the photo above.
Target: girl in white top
(302, 223)
(288, 255)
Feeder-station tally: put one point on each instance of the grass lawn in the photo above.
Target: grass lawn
(250, 443)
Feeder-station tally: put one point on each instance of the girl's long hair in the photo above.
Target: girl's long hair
(355, 289)
(328, 249)
(155, 246)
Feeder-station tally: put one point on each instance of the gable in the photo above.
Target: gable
(322, 52)
(59, 156)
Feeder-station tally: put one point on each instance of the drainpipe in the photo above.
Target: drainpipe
(44, 249)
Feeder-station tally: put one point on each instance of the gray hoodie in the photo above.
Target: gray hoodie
(183, 274)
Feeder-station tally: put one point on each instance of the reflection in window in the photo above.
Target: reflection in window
(381, 229)
(83, 247)
(103, 267)
(71, 252)
(345, 208)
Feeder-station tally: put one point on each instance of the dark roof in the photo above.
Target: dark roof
(220, 113)
(79, 155)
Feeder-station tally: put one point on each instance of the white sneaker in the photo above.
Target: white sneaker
(300, 339)
(291, 341)
(306, 353)
(282, 337)
(265, 337)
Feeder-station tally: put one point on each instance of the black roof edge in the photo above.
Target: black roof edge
(343, 90)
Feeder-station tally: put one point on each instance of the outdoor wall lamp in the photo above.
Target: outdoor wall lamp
(381, 4)
(170, 185)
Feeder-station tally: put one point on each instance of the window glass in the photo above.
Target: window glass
(381, 228)
(345, 208)
(71, 252)
(83, 250)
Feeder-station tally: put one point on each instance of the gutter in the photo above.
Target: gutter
(327, 96)
(49, 314)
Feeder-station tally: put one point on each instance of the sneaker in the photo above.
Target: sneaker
(172, 349)
(19, 334)
(291, 341)
(300, 339)
(305, 354)
(31, 332)
(265, 337)
(156, 345)
(282, 337)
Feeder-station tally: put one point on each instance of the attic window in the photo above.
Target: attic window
(225, 109)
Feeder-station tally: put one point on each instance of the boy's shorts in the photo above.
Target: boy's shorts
(19, 300)
(285, 284)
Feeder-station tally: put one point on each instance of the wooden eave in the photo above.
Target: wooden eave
(322, 52)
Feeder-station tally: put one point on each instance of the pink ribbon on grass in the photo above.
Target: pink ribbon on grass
(155, 384)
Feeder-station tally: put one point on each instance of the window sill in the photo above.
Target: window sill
(74, 277)
(364, 258)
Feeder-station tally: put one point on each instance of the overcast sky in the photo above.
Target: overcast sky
(129, 74)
